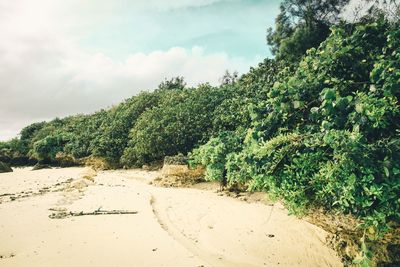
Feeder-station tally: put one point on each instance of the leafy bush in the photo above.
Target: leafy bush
(214, 154)
(45, 150)
(175, 126)
(113, 135)
(83, 130)
(14, 152)
(327, 135)
(235, 111)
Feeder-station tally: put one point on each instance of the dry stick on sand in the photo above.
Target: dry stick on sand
(62, 215)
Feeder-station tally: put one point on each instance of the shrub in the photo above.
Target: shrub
(177, 125)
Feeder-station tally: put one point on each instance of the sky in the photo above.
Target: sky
(64, 57)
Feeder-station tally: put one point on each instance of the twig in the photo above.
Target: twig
(62, 215)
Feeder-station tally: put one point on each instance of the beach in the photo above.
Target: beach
(79, 217)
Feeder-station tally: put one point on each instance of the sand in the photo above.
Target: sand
(164, 227)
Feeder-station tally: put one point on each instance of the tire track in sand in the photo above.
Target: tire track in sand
(217, 260)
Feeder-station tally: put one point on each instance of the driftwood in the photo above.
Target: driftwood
(63, 214)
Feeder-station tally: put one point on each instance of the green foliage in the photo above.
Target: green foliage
(302, 24)
(45, 150)
(235, 111)
(83, 129)
(327, 135)
(366, 255)
(14, 152)
(28, 133)
(303, 38)
(215, 153)
(228, 78)
(176, 83)
(113, 127)
(177, 125)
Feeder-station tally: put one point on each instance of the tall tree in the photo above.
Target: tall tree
(302, 24)
(176, 83)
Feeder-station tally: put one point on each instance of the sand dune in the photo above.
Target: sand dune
(164, 227)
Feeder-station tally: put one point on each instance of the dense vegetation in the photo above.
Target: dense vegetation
(330, 133)
(319, 126)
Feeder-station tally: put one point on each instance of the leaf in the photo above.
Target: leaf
(386, 171)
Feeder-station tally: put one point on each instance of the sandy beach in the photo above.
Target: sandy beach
(76, 217)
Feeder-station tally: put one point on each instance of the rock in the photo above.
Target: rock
(79, 184)
(66, 160)
(4, 167)
(88, 173)
(153, 166)
(176, 160)
(15, 158)
(40, 166)
(179, 175)
(97, 163)
(146, 167)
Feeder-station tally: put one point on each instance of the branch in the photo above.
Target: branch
(62, 215)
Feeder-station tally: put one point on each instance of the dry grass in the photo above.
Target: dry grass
(86, 178)
(179, 176)
(97, 163)
(182, 171)
(345, 238)
(66, 160)
(88, 174)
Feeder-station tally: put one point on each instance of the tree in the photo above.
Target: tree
(45, 150)
(177, 125)
(176, 83)
(114, 128)
(229, 78)
(302, 24)
(28, 133)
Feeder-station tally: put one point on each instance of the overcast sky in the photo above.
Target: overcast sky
(62, 57)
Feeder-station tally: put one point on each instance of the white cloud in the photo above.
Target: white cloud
(44, 73)
(160, 5)
(356, 9)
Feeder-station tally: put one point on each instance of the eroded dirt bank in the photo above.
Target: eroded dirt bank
(74, 217)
